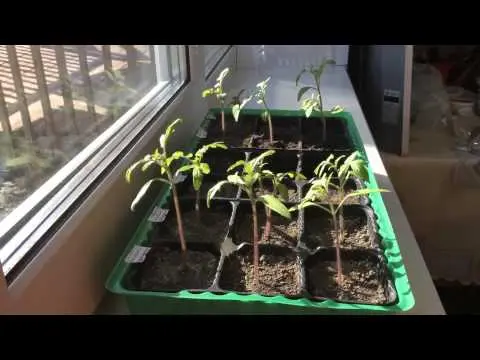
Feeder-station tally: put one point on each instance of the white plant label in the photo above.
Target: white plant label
(137, 255)
(228, 246)
(179, 178)
(202, 133)
(301, 182)
(158, 215)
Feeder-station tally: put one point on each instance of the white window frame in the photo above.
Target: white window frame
(213, 56)
(33, 219)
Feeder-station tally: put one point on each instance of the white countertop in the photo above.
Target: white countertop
(337, 90)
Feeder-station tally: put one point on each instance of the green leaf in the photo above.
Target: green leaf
(318, 190)
(299, 76)
(360, 192)
(163, 140)
(175, 156)
(308, 112)
(143, 190)
(205, 168)
(238, 107)
(302, 91)
(305, 204)
(207, 92)
(346, 165)
(197, 177)
(168, 132)
(268, 174)
(213, 190)
(283, 191)
(325, 164)
(215, 145)
(236, 98)
(236, 112)
(128, 173)
(359, 169)
(340, 158)
(235, 179)
(185, 168)
(260, 158)
(245, 101)
(321, 68)
(235, 165)
(276, 205)
(222, 75)
(250, 179)
(336, 109)
(147, 165)
(265, 115)
(299, 176)
(171, 128)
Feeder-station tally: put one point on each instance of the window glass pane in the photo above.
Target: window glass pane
(55, 100)
(213, 54)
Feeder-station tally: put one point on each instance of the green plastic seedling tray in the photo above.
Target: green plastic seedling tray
(185, 302)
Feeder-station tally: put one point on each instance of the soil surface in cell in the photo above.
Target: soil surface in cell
(236, 134)
(277, 274)
(285, 136)
(361, 282)
(166, 269)
(210, 227)
(334, 197)
(282, 231)
(320, 232)
(313, 139)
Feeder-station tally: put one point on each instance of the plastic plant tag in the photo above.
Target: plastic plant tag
(179, 178)
(202, 133)
(301, 182)
(228, 246)
(137, 255)
(158, 215)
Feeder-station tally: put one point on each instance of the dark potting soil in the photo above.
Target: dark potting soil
(282, 232)
(264, 143)
(236, 134)
(361, 281)
(220, 160)
(334, 197)
(320, 232)
(286, 134)
(278, 274)
(232, 140)
(312, 134)
(209, 227)
(166, 269)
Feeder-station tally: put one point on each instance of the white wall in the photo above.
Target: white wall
(269, 56)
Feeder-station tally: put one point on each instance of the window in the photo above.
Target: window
(66, 113)
(213, 55)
